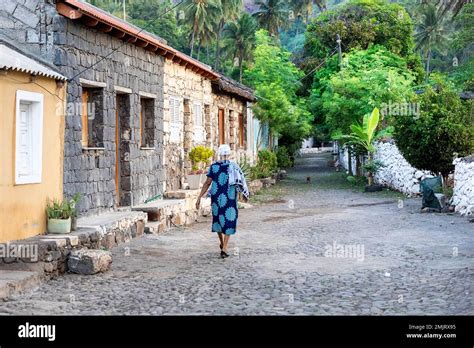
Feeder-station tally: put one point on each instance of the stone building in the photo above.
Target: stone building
(114, 128)
(232, 118)
(135, 106)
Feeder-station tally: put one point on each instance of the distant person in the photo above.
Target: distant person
(226, 180)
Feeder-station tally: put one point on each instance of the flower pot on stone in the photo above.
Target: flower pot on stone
(194, 181)
(59, 216)
(59, 226)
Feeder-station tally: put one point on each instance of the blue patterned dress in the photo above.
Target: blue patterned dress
(223, 199)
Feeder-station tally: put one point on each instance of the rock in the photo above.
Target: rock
(89, 261)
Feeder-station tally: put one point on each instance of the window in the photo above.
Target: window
(29, 138)
(198, 124)
(175, 109)
(147, 122)
(92, 117)
(241, 131)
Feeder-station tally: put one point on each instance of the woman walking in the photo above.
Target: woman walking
(226, 180)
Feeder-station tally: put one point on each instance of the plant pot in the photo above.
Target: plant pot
(73, 223)
(194, 181)
(59, 226)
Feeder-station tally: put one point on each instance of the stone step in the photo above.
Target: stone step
(159, 209)
(15, 282)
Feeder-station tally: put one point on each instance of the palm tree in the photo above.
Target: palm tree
(431, 33)
(230, 11)
(203, 15)
(272, 15)
(321, 5)
(454, 6)
(302, 8)
(240, 35)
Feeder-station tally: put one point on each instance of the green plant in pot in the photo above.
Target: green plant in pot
(59, 216)
(200, 158)
(73, 202)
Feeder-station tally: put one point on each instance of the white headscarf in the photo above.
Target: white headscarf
(224, 150)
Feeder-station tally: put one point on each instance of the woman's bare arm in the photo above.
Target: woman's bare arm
(205, 187)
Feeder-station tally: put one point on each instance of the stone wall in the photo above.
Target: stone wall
(73, 47)
(93, 172)
(397, 173)
(28, 23)
(463, 193)
(190, 88)
(232, 108)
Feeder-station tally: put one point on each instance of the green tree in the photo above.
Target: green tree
(272, 15)
(230, 12)
(240, 37)
(144, 13)
(431, 33)
(276, 81)
(444, 129)
(367, 80)
(203, 14)
(360, 24)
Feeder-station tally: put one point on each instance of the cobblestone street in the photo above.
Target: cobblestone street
(398, 261)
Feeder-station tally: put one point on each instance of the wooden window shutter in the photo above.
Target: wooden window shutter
(85, 118)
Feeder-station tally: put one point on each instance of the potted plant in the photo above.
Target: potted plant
(73, 202)
(200, 157)
(59, 216)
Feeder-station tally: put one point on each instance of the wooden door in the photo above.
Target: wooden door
(117, 151)
(221, 127)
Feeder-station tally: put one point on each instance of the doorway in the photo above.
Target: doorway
(221, 127)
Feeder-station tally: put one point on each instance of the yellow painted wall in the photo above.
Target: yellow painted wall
(22, 207)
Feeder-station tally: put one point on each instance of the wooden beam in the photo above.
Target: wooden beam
(141, 43)
(68, 11)
(131, 39)
(105, 28)
(151, 48)
(90, 22)
(118, 34)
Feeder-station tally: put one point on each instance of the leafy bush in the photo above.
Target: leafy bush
(56, 209)
(444, 129)
(283, 157)
(266, 165)
(199, 156)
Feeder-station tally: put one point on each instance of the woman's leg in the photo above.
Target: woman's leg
(226, 241)
(221, 239)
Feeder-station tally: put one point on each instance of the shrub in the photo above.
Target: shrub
(199, 156)
(283, 157)
(266, 165)
(444, 129)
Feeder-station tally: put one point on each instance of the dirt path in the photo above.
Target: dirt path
(394, 260)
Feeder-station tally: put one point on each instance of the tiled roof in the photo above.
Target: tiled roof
(93, 17)
(227, 85)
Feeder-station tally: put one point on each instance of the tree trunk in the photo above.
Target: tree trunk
(241, 64)
(370, 175)
(349, 161)
(428, 63)
(192, 42)
(199, 50)
(218, 45)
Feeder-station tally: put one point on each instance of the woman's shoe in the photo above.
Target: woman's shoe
(224, 254)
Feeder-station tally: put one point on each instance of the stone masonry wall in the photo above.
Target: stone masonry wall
(28, 23)
(72, 47)
(93, 172)
(232, 108)
(397, 173)
(463, 193)
(190, 88)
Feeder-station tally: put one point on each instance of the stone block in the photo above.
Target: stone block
(89, 261)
